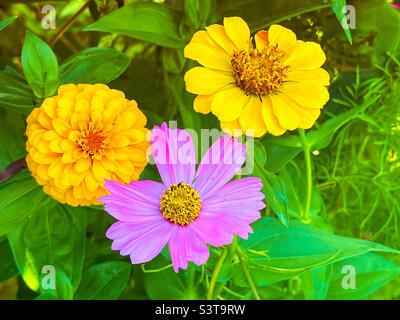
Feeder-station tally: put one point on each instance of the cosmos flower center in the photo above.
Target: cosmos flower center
(93, 140)
(180, 204)
(259, 72)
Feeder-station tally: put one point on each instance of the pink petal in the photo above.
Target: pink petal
(142, 240)
(185, 245)
(127, 202)
(241, 198)
(219, 165)
(174, 154)
(218, 228)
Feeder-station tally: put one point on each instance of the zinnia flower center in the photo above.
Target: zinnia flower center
(180, 204)
(258, 72)
(93, 140)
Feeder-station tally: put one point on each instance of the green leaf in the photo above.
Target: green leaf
(104, 281)
(337, 7)
(15, 194)
(7, 22)
(260, 14)
(197, 12)
(272, 254)
(315, 282)
(12, 141)
(40, 66)
(371, 272)
(55, 237)
(273, 189)
(146, 21)
(15, 93)
(295, 183)
(8, 269)
(94, 65)
(165, 284)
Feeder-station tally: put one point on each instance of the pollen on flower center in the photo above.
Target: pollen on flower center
(259, 72)
(93, 140)
(180, 204)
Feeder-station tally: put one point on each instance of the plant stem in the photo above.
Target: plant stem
(12, 169)
(60, 32)
(214, 277)
(190, 292)
(307, 157)
(247, 275)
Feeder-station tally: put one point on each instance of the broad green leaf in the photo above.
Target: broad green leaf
(273, 189)
(40, 66)
(272, 254)
(5, 23)
(165, 284)
(260, 14)
(53, 237)
(12, 141)
(15, 93)
(371, 272)
(15, 194)
(94, 65)
(278, 156)
(146, 21)
(338, 7)
(8, 269)
(315, 282)
(104, 281)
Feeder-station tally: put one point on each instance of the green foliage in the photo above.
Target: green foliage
(104, 281)
(147, 21)
(88, 66)
(5, 23)
(40, 66)
(333, 188)
(15, 193)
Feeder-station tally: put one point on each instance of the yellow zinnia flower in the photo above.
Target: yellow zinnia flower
(83, 135)
(279, 85)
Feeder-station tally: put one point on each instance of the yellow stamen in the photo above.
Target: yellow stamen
(258, 72)
(180, 204)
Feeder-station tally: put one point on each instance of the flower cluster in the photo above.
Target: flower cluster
(81, 136)
(277, 85)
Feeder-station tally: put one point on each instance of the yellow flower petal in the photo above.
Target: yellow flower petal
(218, 34)
(251, 119)
(287, 118)
(238, 31)
(283, 37)
(261, 39)
(206, 52)
(232, 128)
(270, 120)
(307, 95)
(307, 117)
(204, 81)
(228, 104)
(83, 165)
(317, 76)
(202, 104)
(306, 56)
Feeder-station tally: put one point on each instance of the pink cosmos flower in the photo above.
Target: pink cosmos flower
(190, 209)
